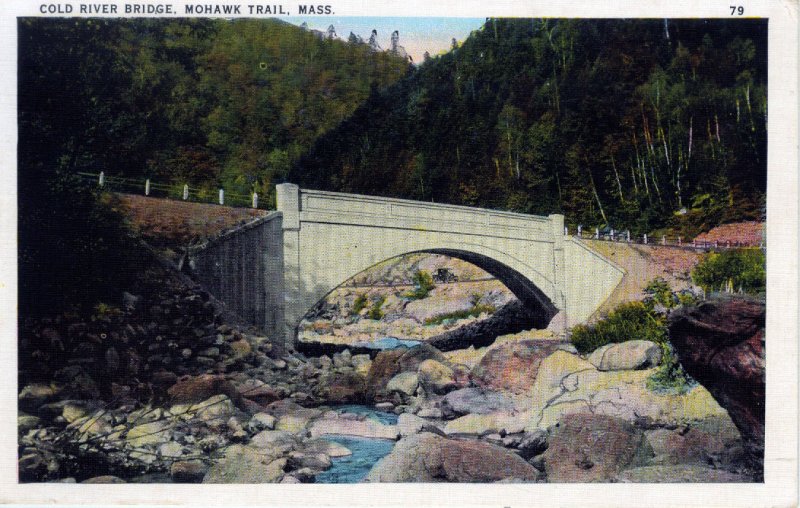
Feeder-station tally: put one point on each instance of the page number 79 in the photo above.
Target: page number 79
(737, 10)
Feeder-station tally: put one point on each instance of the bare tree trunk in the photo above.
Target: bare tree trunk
(597, 197)
(616, 174)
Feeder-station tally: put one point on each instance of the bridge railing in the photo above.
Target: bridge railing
(182, 192)
(663, 240)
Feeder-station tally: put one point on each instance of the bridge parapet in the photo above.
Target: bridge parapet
(302, 205)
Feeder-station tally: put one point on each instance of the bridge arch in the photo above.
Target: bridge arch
(329, 237)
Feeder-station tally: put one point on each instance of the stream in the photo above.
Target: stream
(366, 452)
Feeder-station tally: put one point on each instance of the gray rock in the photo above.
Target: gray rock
(477, 401)
(436, 377)
(427, 457)
(27, 422)
(629, 355)
(278, 441)
(261, 421)
(405, 382)
(171, 450)
(681, 473)
(409, 424)
(532, 444)
(317, 461)
(430, 412)
(188, 471)
(245, 464)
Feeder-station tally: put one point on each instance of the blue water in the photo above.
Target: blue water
(355, 467)
(385, 343)
(366, 452)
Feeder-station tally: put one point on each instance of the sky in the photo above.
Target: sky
(417, 35)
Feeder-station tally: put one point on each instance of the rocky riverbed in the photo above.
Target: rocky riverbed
(165, 387)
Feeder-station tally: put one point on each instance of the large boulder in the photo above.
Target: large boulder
(336, 424)
(476, 401)
(388, 364)
(408, 424)
(258, 391)
(384, 367)
(341, 387)
(567, 384)
(436, 377)
(427, 457)
(245, 464)
(629, 355)
(296, 421)
(592, 448)
(405, 383)
(714, 441)
(499, 422)
(720, 343)
(512, 366)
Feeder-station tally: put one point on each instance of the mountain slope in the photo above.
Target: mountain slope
(620, 122)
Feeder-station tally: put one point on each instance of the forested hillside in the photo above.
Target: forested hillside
(209, 102)
(618, 122)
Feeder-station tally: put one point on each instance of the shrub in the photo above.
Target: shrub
(639, 321)
(359, 304)
(670, 377)
(629, 321)
(659, 292)
(743, 269)
(375, 311)
(423, 284)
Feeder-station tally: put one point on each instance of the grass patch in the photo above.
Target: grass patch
(475, 311)
(359, 304)
(423, 284)
(375, 311)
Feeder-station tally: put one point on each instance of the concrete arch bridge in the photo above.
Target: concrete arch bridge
(274, 269)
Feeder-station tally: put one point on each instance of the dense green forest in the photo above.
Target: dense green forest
(208, 102)
(618, 122)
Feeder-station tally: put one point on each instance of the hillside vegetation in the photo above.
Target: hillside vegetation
(619, 122)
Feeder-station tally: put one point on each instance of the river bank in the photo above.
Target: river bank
(165, 388)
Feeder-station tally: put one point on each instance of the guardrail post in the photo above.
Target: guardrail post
(679, 240)
(597, 233)
(566, 231)
(101, 179)
(222, 196)
(147, 187)
(185, 192)
(580, 230)
(645, 238)
(255, 200)
(663, 239)
(628, 235)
